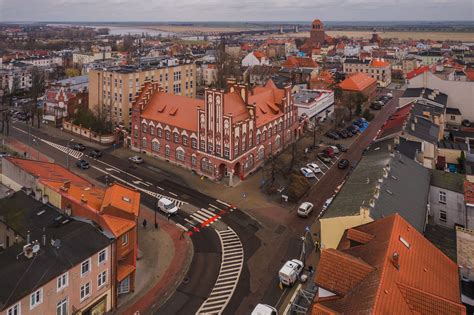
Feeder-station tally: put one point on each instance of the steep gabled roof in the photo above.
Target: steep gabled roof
(357, 82)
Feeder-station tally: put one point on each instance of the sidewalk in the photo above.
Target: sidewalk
(166, 258)
(21, 149)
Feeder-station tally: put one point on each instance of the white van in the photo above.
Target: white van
(264, 309)
(290, 272)
(167, 206)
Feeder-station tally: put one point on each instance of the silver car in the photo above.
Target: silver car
(305, 209)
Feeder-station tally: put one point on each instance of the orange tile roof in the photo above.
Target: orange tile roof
(235, 105)
(46, 170)
(123, 198)
(161, 106)
(267, 100)
(358, 236)
(303, 62)
(357, 82)
(117, 225)
(425, 282)
(417, 72)
(123, 270)
(469, 74)
(259, 54)
(379, 63)
(339, 272)
(324, 77)
(469, 192)
(77, 191)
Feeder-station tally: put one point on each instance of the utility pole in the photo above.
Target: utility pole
(37, 149)
(68, 152)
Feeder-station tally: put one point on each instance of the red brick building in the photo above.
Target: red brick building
(317, 37)
(226, 134)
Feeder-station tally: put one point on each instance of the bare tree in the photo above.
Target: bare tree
(36, 90)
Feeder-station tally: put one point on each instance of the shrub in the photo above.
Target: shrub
(368, 115)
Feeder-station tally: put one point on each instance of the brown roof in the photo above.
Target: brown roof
(358, 236)
(303, 62)
(267, 100)
(425, 282)
(174, 110)
(357, 82)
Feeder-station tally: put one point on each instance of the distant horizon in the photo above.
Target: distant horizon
(240, 21)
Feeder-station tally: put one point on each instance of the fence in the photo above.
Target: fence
(88, 134)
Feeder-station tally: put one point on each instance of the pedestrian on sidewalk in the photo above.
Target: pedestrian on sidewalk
(169, 216)
(144, 223)
(316, 246)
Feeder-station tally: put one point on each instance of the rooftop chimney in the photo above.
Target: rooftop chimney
(395, 260)
(28, 237)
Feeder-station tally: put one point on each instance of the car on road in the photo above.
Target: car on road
(82, 164)
(264, 309)
(343, 164)
(167, 206)
(324, 157)
(4, 154)
(136, 159)
(341, 147)
(375, 106)
(307, 172)
(95, 154)
(290, 272)
(78, 147)
(314, 167)
(327, 203)
(305, 209)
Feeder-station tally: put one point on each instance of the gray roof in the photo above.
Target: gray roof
(447, 180)
(306, 96)
(409, 148)
(20, 275)
(405, 189)
(426, 93)
(447, 144)
(423, 129)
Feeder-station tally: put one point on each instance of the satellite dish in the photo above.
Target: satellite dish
(36, 248)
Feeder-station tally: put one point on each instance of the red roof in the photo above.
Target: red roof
(259, 54)
(398, 271)
(417, 72)
(379, 63)
(299, 62)
(469, 74)
(357, 82)
(394, 123)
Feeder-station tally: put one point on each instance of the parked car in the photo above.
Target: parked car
(353, 129)
(324, 157)
(327, 203)
(290, 272)
(4, 154)
(136, 159)
(335, 149)
(264, 309)
(82, 164)
(341, 147)
(466, 123)
(305, 209)
(375, 106)
(78, 147)
(95, 153)
(343, 164)
(341, 134)
(332, 135)
(308, 173)
(314, 167)
(329, 152)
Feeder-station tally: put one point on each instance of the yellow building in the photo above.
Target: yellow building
(112, 90)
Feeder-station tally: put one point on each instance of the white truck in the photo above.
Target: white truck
(290, 272)
(167, 206)
(264, 309)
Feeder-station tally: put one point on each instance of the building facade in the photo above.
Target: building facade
(378, 69)
(113, 90)
(226, 134)
(314, 104)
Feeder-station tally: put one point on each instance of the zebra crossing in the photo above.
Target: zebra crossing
(229, 273)
(157, 196)
(205, 216)
(75, 154)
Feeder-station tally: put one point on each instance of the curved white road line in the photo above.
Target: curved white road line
(229, 273)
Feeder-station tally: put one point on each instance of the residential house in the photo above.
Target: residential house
(259, 75)
(469, 203)
(383, 183)
(115, 209)
(453, 116)
(47, 267)
(465, 260)
(447, 206)
(409, 64)
(386, 267)
(323, 80)
(429, 57)
(360, 83)
(448, 154)
(206, 74)
(314, 104)
(226, 134)
(379, 69)
(255, 58)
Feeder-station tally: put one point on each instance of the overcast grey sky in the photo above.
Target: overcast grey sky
(232, 10)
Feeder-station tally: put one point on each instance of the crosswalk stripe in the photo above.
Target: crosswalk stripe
(198, 217)
(208, 212)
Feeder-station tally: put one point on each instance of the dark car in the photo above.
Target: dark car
(353, 129)
(341, 147)
(342, 133)
(95, 154)
(324, 157)
(343, 164)
(82, 164)
(375, 106)
(332, 135)
(78, 147)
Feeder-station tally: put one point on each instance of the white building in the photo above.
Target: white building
(85, 58)
(256, 58)
(314, 103)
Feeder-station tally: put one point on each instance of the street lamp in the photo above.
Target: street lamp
(156, 210)
(37, 150)
(68, 152)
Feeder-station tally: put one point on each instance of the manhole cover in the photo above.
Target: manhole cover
(185, 280)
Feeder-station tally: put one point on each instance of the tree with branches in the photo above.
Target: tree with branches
(36, 91)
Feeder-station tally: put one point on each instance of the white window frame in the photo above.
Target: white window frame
(59, 306)
(36, 298)
(88, 261)
(124, 239)
(441, 213)
(83, 289)
(101, 279)
(14, 309)
(101, 262)
(62, 281)
(442, 197)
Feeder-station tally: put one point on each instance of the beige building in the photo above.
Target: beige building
(378, 69)
(112, 90)
(409, 64)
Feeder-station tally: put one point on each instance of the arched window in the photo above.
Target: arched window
(180, 154)
(185, 140)
(260, 154)
(144, 128)
(176, 137)
(167, 135)
(167, 151)
(277, 141)
(155, 146)
(159, 132)
(144, 143)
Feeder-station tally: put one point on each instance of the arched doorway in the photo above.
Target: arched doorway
(222, 171)
(237, 169)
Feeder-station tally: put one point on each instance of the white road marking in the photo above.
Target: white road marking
(224, 203)
(172, 194)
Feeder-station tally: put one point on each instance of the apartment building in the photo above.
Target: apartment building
(378, 69)
(113, 90)
(47, 268)
(115, 209)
